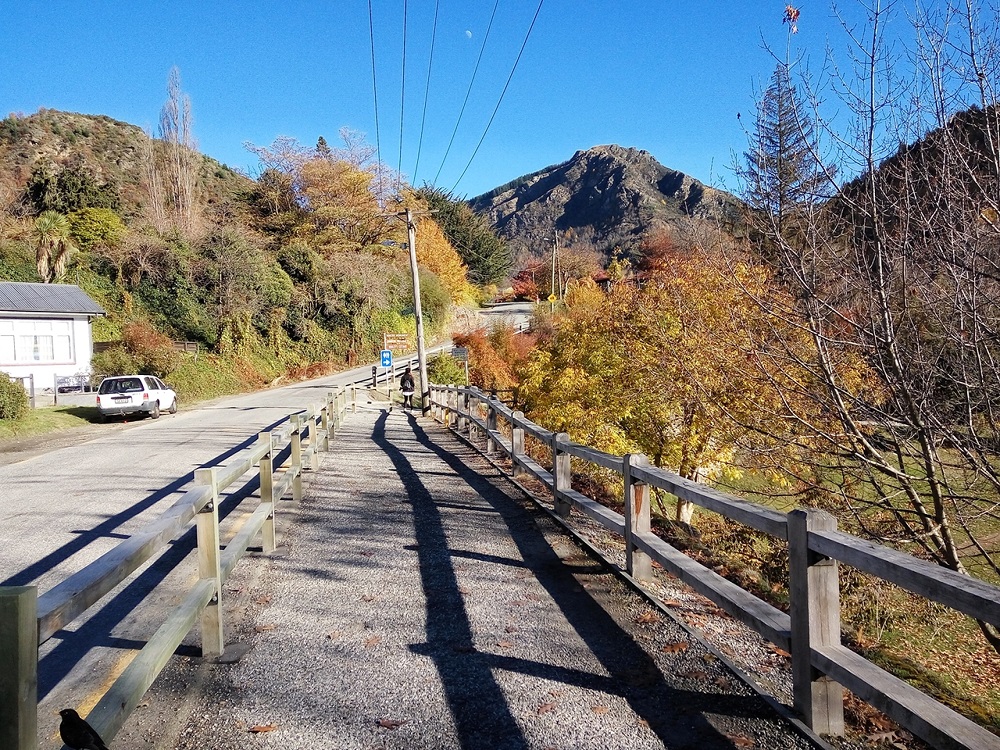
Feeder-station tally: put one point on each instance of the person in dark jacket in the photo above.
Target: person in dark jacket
(407, 387)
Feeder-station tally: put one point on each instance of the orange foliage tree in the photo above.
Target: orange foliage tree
(676, 368)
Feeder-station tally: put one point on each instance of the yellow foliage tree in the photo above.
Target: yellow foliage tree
(436, 254)
(679, 368)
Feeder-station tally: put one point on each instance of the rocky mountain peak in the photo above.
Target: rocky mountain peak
(608, 196)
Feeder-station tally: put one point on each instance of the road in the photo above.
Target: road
(67, 507)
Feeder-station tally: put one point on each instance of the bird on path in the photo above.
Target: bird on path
(77, 733)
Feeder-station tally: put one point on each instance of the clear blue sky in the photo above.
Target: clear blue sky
(667, 76)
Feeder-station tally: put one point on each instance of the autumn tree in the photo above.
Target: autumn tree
(486, 255)
(437, 255)
(671, 369)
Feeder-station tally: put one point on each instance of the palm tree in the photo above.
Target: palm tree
(54, 245)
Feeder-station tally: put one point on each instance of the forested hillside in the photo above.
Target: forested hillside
(300, 268)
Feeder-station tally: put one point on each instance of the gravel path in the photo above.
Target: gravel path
(442, 611)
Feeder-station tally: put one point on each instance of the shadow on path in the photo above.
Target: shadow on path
(678, 716)
(478, 705)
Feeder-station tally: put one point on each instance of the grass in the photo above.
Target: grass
(48, 419)
(940, 651)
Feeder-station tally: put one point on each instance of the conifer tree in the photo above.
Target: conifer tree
(783, 172)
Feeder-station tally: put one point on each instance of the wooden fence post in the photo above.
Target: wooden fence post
(267, 491)
(326, 423)
(472, 409)
(561, 476)
(213, 641)
(463, 411)
(491, 427)
(315, 441)
(814, 611)
(297, 457)
(19, 667)
(516, 445)
(636, 496)
(354, 397)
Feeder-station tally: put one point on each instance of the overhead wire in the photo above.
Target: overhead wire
(378, 140)
(402, 101)
(427, 89)
(502, 94)
(468, 92)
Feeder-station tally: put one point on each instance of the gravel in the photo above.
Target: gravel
(443, 611)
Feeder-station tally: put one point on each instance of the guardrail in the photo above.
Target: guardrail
(821, 666)
(28, 620)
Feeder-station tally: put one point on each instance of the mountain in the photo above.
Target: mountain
(609, 197)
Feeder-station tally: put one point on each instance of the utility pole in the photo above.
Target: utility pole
(411, 231)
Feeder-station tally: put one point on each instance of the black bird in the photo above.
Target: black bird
(77, 733)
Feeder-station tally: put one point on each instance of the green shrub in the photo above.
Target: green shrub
(114, 361)
(13, 399)
(443, 369)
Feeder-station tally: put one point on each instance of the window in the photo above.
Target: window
(27, 341)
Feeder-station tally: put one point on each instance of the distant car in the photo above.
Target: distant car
(131, 394)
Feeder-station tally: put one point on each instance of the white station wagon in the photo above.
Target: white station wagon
(129, 394)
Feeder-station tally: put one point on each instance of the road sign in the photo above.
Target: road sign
(553, 297)
(386, 358)
(395, 341)
(461, 353)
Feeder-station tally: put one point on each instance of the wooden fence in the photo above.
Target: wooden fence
(28, 620)
(821, 666)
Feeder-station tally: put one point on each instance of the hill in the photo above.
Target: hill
(609, 197)
(115, 154)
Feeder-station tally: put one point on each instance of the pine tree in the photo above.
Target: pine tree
(783, 172)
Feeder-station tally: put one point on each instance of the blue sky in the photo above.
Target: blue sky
(667, 76)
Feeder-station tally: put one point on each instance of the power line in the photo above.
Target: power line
(402, 101)
(502, 93)
(427, 89)
(469, 91)
(378, 140)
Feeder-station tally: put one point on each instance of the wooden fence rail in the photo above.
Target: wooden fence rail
(821, 666)
(28, 620)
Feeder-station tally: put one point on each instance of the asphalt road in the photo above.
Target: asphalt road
(64, 508)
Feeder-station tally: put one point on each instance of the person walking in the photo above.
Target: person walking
(407, 387)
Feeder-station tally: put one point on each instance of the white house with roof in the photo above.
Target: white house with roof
(45, 331)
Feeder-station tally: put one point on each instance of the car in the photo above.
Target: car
(131, 394)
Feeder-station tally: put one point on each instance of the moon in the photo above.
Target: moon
(468, 34)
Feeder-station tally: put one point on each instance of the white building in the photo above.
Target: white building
(45, 331)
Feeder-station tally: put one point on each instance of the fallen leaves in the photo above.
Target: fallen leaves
(599, 710)
(675, 647)
(260, 728)
(649, 617)
(740, 741)
(391, 723)
(545, 708)
(779, 651)
(372, 640)
(505, 644)
(265, 628)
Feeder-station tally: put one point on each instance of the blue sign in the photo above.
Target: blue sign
(386, 358)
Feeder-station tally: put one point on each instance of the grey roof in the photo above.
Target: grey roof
(22, 297)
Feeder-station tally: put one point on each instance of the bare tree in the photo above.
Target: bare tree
(896, 282)
(175, 130)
